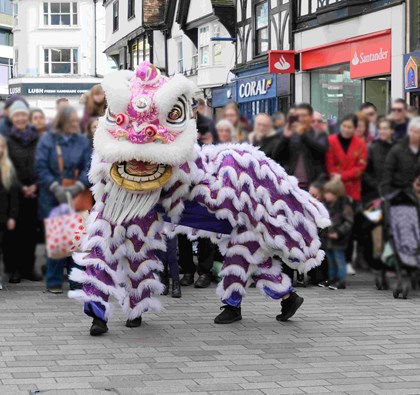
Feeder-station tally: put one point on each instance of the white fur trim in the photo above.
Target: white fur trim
(117, 90)
(142, 307)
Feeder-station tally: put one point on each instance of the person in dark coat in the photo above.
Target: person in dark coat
(402, 165)
(377, 154)
(6, 123)
(22, 141)
(76, 154)
(264, 136)
(339, 234)
(9, 195)
(399, 117)
(302, 150)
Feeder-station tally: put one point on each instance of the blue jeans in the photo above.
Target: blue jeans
(337, 265)
(55, 272)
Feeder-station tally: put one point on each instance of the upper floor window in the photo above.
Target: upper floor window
(308, 7)
(6, 37)
(61, 61)
(204, 45)
(115, 16)
(261, 28)
(131, 8)
(180, 57)
(15, 13)
(217, 46)
(60, 14)
(6, 7)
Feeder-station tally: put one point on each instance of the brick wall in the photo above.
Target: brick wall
(153, 12)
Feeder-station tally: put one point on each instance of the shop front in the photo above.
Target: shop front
(220, 96)
(44, 94)
(345, 73)
(412, 77)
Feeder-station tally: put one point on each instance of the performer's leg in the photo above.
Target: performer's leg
(186, 260)
(141, 284)
(143, 239)
(231, 289)
(271, 281)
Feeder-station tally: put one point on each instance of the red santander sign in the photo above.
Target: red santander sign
(370, 57)
(281, 62)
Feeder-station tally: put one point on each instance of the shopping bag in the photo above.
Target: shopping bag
(374, 212)
(64, 231)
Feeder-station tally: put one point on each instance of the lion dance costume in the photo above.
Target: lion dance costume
(149, 177)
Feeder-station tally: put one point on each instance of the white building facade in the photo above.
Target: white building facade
(134, 32)
(58, 50)
(6, 45)
(200, 45)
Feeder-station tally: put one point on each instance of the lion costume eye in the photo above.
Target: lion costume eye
(110, 117)
(178, 114)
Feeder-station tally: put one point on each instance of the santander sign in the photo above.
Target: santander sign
(371, 57)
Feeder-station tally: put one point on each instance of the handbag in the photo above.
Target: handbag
(64, 232)
(83, 201)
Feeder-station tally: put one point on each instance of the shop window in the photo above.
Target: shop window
(204, 46)
(61, 61)
(131, 8)
(333, 93)
(134, 55)
(60, 14)
(180, 57)
(115, 16)
(261, 28)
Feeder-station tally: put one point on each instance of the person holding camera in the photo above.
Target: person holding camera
(301, 150)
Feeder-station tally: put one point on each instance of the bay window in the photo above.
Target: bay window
(204, 46)
(261, 28)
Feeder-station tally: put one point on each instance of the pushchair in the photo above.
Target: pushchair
(401, 214)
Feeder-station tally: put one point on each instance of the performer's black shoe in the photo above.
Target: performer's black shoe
(98, 327)
(289, 306)
(15, 278)
(203, 281)
(229, 315)
(176, 289)
(187, 279)
(133, 323)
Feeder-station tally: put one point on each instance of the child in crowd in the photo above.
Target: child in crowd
(320, 273)
(339, 234)
(170, 267)
(9, 194)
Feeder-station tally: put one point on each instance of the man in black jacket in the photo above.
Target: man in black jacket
(402, 165)
(301, 150)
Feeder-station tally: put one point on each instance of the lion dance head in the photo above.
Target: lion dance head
(148, 127)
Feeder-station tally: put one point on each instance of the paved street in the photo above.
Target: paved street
(357, 341)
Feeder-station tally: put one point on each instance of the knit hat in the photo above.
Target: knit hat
(18, 106)
(14, 98)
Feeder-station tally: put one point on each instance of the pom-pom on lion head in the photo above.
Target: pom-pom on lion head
(148, 127)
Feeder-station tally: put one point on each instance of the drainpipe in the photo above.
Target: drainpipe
(95, 38)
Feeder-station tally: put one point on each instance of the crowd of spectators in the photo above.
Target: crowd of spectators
(362, 158)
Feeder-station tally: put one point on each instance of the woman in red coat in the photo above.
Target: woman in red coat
(346, 158)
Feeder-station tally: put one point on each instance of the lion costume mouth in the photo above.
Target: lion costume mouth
(140, 176)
